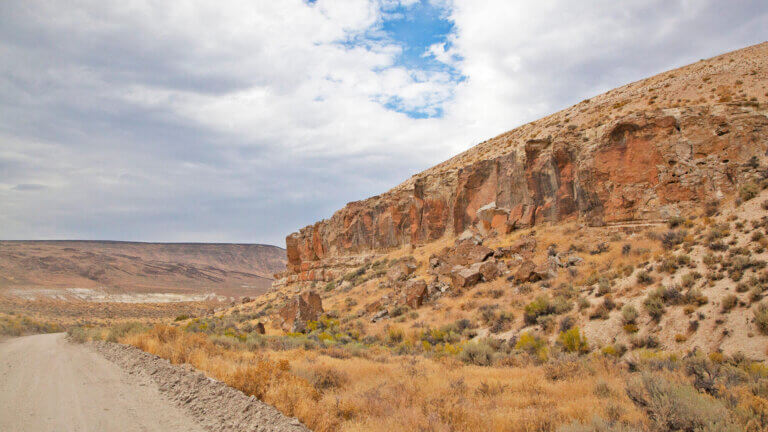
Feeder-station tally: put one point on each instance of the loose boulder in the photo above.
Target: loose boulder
(463, 277)
(305, 307)
(414, 293)
(400, 270)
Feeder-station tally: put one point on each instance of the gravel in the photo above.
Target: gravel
(214, 405)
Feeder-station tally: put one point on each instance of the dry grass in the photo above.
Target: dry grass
(400, 393)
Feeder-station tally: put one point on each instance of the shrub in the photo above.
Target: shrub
(573, 341)
(654, 305)
(395, 335)
(672, 238)
(542, 306)
(629, 314)
(77, 334)
(630, 328)
(761, 317)
(603, 287)
(477, 353)
(679, 407)
(711, 208)
(644, 278)
(729, 302)
(532, 344)
(675, 221)
(325, 377)
(749, 191)
(119, 331)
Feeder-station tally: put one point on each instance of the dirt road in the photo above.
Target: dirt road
(48, 384)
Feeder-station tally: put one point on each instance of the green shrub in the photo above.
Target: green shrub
(532, 344)
(654, 305)
(540, 306)
(573, 341)
(629, 314)
(479, 353)
(679, 407)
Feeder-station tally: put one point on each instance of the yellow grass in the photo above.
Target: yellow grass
(399, 393)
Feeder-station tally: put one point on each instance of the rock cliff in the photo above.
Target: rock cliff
(650, 150)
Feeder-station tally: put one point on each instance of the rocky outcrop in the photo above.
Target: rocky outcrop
(614, 166)
(305, 307)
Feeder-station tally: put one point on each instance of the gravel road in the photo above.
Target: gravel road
(48, 384)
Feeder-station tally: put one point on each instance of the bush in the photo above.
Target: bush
(573, 341)
(478, 353)
(672, 238)
(654, 305)
(77, 334)
(325, 377)
(540, 306)
(119, 331)
(629, 314)
(532, 344)
(729, 302)
(644, 278)
(679, 407)
(761, 317)
(748, 191)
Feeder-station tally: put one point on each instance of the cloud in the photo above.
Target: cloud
(243, 121)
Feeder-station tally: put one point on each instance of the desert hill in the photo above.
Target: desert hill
(646, 198)
(235, 270)
(647, 151)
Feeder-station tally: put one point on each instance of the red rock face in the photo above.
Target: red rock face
(645, 166)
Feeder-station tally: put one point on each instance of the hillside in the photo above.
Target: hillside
(35, 268)
(646, 151)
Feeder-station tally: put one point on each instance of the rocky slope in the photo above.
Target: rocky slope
(647, 151)
(132, 268)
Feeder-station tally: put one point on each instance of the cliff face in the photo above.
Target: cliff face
(600, 162)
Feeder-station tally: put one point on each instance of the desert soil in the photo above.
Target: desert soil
(50, 384)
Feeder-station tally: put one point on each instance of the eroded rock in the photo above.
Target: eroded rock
(305, 307)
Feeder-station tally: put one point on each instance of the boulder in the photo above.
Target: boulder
(525, 246)
(526, 272)
(400, 270)
(467, 253)
(305, 307)
(492, 219)
(463, 277)
(489, 269)
(439, 266)
(414, 293)
(380, 315)
(260, 328)
(469, 235)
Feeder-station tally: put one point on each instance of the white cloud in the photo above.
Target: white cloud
(245, 120)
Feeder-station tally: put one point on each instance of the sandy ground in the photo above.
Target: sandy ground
(48, 384)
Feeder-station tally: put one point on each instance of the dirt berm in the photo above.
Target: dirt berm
(214, 405)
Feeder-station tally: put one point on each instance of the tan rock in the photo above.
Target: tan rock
(305, 307)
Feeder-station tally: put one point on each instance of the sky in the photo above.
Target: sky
(243, 121)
